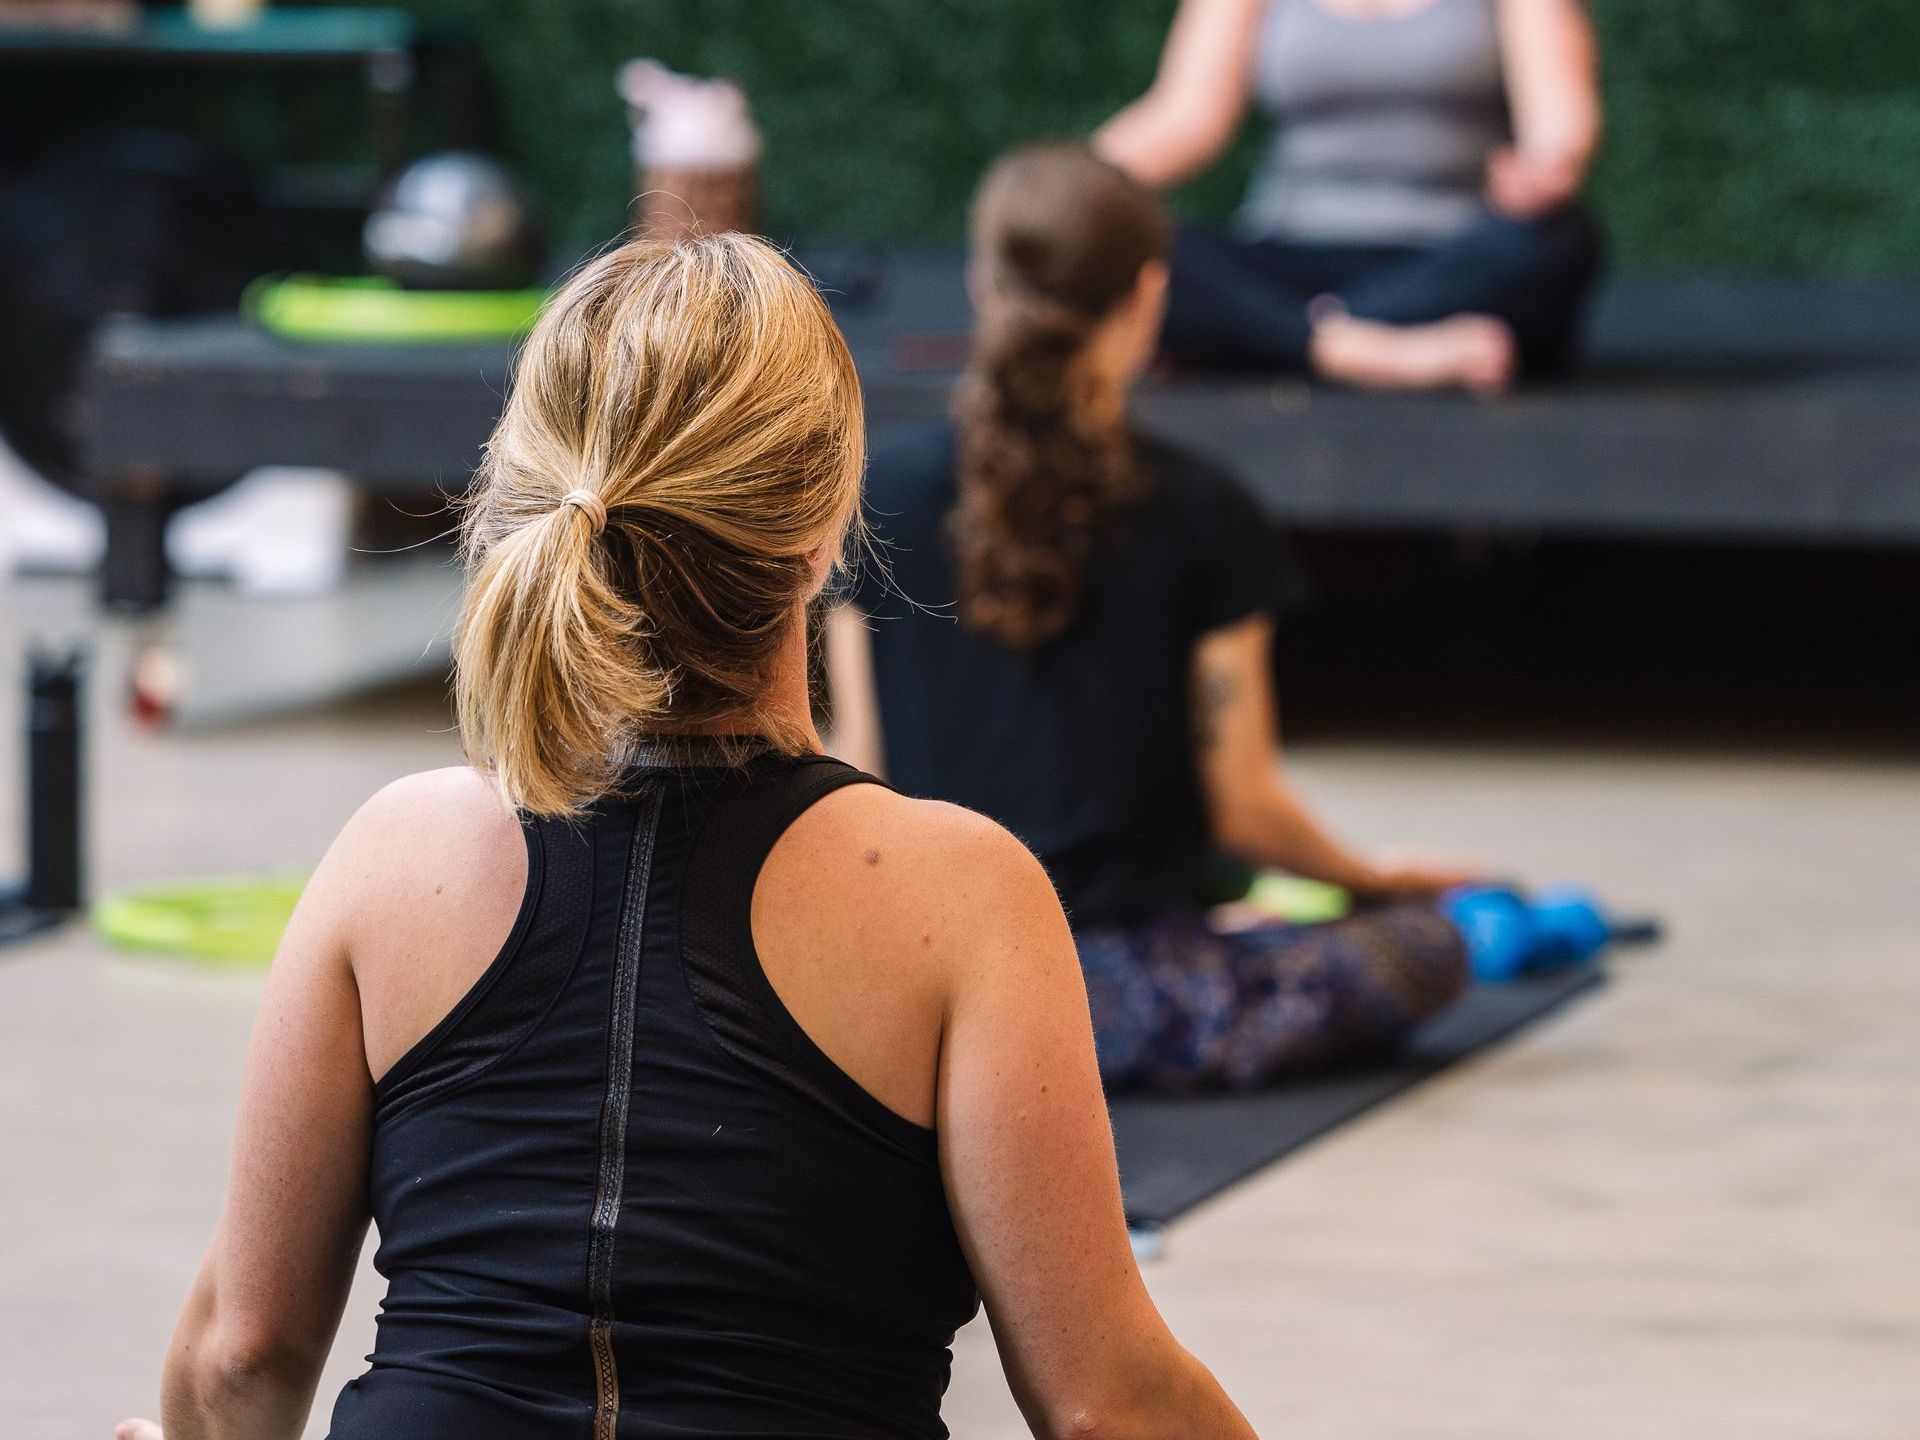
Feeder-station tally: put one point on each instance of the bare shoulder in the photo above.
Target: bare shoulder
(425, 846)
(422, 888)
(917, 826)
(922, 871)
(434, 813)
(456, 795)
(875, 916)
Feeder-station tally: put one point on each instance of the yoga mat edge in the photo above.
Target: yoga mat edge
(1172, 1155)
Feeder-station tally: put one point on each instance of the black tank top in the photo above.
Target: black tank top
(621, 1194)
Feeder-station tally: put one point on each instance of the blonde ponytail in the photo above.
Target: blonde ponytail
(683, 435)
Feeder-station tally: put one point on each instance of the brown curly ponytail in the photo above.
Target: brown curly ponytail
(1045, 456)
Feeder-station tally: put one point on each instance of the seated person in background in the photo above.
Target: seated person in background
(1076, 642)
(1416, 222)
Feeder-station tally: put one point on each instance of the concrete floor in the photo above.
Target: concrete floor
(1684, 1208)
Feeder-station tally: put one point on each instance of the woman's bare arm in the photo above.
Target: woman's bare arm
(257, 1325)
(1029, 1163)
(1254, 812)
(1198, 96)
(1551, 57)
(415, 896)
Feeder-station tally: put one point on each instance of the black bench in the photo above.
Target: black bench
(1712, 409)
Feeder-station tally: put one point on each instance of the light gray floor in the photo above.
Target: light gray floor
(1685, 1208)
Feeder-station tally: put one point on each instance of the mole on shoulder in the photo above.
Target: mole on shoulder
(873, 857)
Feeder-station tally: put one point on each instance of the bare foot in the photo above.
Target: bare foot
(136, 1430)
(1474, 352)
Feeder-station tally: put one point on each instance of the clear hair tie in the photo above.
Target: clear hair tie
(594, 507)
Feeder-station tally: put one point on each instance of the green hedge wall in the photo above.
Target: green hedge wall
(1771, 134)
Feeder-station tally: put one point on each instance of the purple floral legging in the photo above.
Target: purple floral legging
(1178, 1006)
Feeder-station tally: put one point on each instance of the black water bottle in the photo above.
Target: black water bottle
(53, 781)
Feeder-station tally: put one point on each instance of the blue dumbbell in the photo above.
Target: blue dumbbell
(1568, 926)
(1496, 927)
(1509, 935)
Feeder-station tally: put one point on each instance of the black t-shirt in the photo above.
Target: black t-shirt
(1084, 746)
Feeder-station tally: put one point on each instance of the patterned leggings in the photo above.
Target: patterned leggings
(1178, 1006)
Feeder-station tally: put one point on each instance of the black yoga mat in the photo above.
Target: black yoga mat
(1174, 1153)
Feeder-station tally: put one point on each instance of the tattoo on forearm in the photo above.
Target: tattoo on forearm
(1215, 691)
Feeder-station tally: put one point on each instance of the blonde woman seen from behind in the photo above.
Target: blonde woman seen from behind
(696, 1084)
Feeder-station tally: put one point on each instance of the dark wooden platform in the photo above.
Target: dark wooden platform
(1712, 409)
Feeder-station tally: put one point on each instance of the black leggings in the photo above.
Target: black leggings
(1180, 1006)
(1244, 303)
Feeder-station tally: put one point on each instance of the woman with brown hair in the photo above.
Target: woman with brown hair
(696, 1086)
(1075, 641)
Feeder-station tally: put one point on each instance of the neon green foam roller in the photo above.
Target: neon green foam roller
(372, 308)
(223, 922)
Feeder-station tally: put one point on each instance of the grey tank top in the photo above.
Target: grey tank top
(1384, 125)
